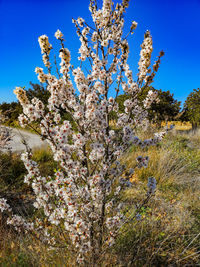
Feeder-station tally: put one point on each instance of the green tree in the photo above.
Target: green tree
(192, 108)
(164, 109)
(10, 112)
(39, 91)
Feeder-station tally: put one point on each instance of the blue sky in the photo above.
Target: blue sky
(174, 25)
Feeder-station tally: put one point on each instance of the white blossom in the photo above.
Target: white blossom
(58, 34)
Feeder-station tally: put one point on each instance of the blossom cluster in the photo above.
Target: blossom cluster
(4, 205)
(145, 57)
(45, 49)
(151, 96)
(20, 224)
(151, 185)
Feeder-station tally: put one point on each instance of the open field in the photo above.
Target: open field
(167, 232)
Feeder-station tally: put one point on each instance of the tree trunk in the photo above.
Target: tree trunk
(194, 126)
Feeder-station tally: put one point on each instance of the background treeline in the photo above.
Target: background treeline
(167, 108)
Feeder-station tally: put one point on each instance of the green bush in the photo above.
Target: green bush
(12, 169)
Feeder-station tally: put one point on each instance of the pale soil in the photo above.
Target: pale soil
(17, 137)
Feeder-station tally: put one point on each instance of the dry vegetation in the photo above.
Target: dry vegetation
(180, 125)
(167, 232)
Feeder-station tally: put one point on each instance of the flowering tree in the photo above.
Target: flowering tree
(83, 197)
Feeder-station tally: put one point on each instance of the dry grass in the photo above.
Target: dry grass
(179, 125)
(168, 232)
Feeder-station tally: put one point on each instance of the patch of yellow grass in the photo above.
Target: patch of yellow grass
(179, 125)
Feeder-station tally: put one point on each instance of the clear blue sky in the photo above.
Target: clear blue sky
(174, 25)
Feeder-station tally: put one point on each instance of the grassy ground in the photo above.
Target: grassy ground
(168, 231)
